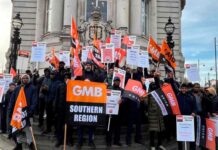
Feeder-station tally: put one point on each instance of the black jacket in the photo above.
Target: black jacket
(186, 104)
(31, 98)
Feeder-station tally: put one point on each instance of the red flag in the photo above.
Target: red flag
(92, 58)
(210, 134)
(54, 61)
(154, 49)
(171, 97)
(108, 40)
(17, 120)
(13, 72)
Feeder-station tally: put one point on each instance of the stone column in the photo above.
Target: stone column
(55, 16)
(40, 15)
(122, 13)
(135, 17)
(70, 10)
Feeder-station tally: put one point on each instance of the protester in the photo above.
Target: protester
(155, 117)
(116, 120)
(44, 83)
(31, 98)
(187, 106)
(4, 108)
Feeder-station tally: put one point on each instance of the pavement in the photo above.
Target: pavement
(6, 145)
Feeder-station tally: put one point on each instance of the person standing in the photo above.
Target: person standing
(31, 99)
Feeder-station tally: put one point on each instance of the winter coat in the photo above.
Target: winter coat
(31, 98)
(52, 89)
(155, 117)
(187, 104)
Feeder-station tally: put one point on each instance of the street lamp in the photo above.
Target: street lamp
(169, 29)
(17, 24)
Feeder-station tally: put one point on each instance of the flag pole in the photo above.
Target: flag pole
(109, 123)
(34, 141)
(65, 135)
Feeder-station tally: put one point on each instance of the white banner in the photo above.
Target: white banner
(121, 74)
(192, 72)
(38, 52)
(132, 55)
(112, 105)
(185, 128)
(65, 57)
(143, 59)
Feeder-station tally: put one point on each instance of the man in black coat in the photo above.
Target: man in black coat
(31, 99)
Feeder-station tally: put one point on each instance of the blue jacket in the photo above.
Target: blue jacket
(31, 98)
(186, 104)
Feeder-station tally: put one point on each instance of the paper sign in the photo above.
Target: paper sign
(65, 57)
(121, 74)
(116, 40)
(185, 128)
(192, 72)
(38, 52)
(143, 59)
(23, 59)
(107, 53)
(132, 40)
(132, 55)
(8, 78)
(112, 105)
(85, 53)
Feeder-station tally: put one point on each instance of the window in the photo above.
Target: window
(144, 15)
(102, 4)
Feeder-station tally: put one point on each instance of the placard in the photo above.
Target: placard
(121, 74)
(107, 53)
(132, 40)
(65, 57)
(132, 55)
(85, 52)
(143, 59)
(192, 72)
(185, 128)
(112, 105)
(8, 78)
(2, 87)
(38, 52)
(116, 40)
(23, 59)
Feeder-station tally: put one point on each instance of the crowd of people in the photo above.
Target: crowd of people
(46, 94)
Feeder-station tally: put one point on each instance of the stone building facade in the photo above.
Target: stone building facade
(50, 20)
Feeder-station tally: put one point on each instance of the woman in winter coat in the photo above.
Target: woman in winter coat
(155, 117)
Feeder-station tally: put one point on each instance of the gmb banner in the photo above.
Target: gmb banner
(86, 102)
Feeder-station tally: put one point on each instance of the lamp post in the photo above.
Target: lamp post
(169, 29)
(17, 23)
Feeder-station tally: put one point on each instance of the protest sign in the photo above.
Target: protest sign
(65, 57)
(86, 102)
(38, 52)
(85, 52)
(210, 134)
(185, 128)
(112, 106)
(107, 53)
(8, 78)
(132, 55)
(132, 40)
(143, 59)
(192, 72)
(121, 74)
(23, 59)
(116, 40)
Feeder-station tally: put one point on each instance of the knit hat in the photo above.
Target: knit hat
(211, 90)
(26, 76)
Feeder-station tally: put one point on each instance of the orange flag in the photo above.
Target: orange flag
(154, 49)
(54, 61)
(17, 117)
(168, 54)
